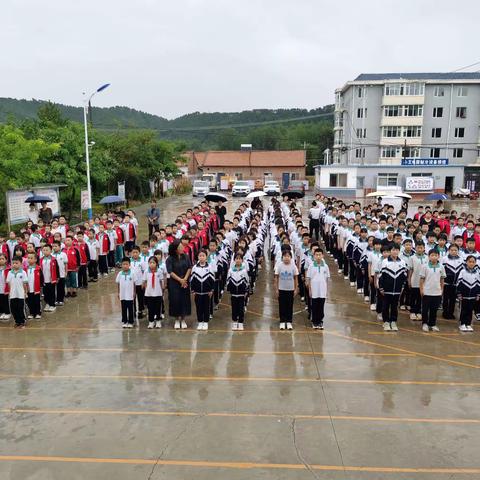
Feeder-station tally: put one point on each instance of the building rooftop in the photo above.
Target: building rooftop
(418, 76)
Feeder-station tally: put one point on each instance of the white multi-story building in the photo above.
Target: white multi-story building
(392, 128)
(384, 118)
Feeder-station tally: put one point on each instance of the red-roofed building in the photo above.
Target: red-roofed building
(250, 164)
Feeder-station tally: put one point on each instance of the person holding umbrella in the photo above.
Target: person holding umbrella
(45, 213)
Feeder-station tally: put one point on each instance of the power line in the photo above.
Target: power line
(467, 66)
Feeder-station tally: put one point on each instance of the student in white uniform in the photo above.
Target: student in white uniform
(286, 284)
(17, 282)
(154, 284)
(125, 280)
(317, 281)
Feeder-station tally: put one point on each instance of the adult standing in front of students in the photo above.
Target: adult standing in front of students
(153, 218)
(314, 216)
(221, 212)
(45, 213)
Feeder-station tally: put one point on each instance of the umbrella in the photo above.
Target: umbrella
(377, 194)
(403, 195)
(215, 197)
(436, 196)
(38, 199)
(256, 194)
(293, 194)
(111, 199)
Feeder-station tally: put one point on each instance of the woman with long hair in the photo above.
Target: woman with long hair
(179, 268)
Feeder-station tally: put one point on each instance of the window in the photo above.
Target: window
(389, 152)
(391, 111)
(392, 131)
(413, 110)
(459, 132)
(338, 180)
(361, 133)
(360, 92)
(436, 132)
(393, 89)
(387, 179)
(457, 152)
(414, 89)
(422, 174)
(461, 112)
(462, 91)
(434, 153)
(439, 92)
(360, 153)
(410, 152)
(412, 131)
(361, 113)
(294, 176)
(360, 182)
(438, 112)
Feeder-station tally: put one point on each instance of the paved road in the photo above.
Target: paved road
(83, 399)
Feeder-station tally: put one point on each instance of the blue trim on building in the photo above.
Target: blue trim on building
(419, 76)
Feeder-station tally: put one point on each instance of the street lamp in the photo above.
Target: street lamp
(86, 105)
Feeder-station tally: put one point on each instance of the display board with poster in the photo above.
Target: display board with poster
(17, 209)
(419, 184)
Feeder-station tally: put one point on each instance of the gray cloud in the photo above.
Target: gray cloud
(171, 58)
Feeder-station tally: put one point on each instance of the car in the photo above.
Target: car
(241, 188)
(296, 185)
(200, 188)
(212, 181)
(271, 187)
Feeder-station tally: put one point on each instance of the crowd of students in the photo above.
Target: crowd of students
(419, 264)
(423, 263)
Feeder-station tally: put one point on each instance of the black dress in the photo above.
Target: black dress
(179, 303)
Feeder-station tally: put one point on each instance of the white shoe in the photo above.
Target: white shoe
(38, 317)
(205, 326)
(151, 325)
(425, 327)
(366, 299)
(240, 326)
(419, 316)
(162, 316)
(434, 329)
(340, 272)
(463, 328)
(289, 326)
(373, 307)
(46, 308)
(7, 316)
(282, 325)
(403, 307)
(234, 325)
(2, 316)
(345, 277)
(124, 325)
(379, 316)
(129, 325)
(413, 316)
(352, 284)
(184, 324)
(469, 328)
(394, 327)
(302, 299)
(210, 317)
(387, 327)
(52, 309)
(158, 324)
(60, 304)
(360, 290)
(30, 317)
(177, 324)
(200, 326)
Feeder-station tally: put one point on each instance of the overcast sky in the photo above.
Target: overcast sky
(175, 57)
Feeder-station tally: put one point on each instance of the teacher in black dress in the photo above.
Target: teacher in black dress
(179, 268)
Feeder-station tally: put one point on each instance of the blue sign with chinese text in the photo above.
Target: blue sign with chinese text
(424, 162)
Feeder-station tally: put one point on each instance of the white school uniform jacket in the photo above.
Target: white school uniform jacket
(163, 245)
(418, 261)
(16, 282)
(318, 275)
(62, 261)
(202, 279)
(153, 282)
(112, 235)
(126, 282)
(93, 248)
(468, 283)
(137, 267)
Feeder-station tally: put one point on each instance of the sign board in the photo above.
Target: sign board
(424, 162)
(84, 200)
(17, 209)
(121, 190)
(419, 184)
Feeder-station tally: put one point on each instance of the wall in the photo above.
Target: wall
(257, 172)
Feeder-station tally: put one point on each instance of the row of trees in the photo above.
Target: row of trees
(51, 149)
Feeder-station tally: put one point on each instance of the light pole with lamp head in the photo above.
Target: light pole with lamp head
(86, 105)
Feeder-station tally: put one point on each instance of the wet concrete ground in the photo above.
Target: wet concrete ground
(83, 399)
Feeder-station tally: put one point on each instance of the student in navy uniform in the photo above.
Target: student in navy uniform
(238, 284)
(468, 290)
(202, 283)
(453, 265)
(392, 279)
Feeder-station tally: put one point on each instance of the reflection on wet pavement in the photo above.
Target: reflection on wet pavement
(82, 398)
